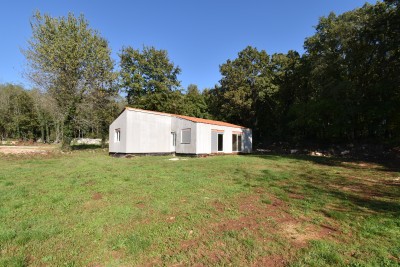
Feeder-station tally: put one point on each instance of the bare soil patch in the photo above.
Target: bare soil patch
(296, 196)
(97, 196)
(272, 260)
(18, 150)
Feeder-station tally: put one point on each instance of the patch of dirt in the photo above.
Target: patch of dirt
(170, 219)
(141, 205)
(95, 203)
(296, 196)
(17, 150)
(218, 205)
(187, 244)
(97, 196)
(117, 254)
(30, 259)
(156, 262)
(300, 235)
(272, 260)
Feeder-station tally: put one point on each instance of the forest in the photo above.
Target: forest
(345, 87)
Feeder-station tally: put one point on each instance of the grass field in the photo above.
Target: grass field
(89, 209)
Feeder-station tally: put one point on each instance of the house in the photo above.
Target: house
(138, 131)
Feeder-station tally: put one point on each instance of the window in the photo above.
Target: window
(117, 136)
(236, 142)
(186, 136)
(220, 142)
(173, 136)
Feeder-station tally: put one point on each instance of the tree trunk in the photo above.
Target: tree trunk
(68, 128)
(47, 135)
(42, 133)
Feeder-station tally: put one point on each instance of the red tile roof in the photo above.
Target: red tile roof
(193, 119)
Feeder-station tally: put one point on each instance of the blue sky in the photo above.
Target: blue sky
(198, 35)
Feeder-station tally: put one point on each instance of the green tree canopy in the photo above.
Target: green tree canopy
(69, 60)
(17, 113)
(194, 103)
(345, 87)
(150, 80)
(247, 92)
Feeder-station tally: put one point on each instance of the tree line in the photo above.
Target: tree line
(34, 115)
(345, 87)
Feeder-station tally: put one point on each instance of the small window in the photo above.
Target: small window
(236, 142)
(220, 142)
(186, 136)
(117, 135)
(173, 136)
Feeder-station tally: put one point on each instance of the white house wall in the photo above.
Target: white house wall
(119, 123)
(178, 125)
(204, 138)
(148, 132)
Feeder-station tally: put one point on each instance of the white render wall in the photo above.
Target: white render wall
(149, 132)
(204, 138)
(178, 125)
(119, 123)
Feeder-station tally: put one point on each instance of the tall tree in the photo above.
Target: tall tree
(288, 79)
(194, 103)
(247, 92)
(150, 79)
(69, 60)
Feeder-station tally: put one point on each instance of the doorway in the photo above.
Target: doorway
(217, 141)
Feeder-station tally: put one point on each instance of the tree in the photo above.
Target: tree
(47, 115)
(287, 77)
(247, 92)
(150, 79)
(17, 115)
(194, 103)
(69, 60)
(354, 65)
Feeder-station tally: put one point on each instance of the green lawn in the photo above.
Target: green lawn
(89, 209)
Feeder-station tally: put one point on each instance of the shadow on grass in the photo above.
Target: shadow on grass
(360, 202)
(388, 165)
(83, 147)
(377, 196)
